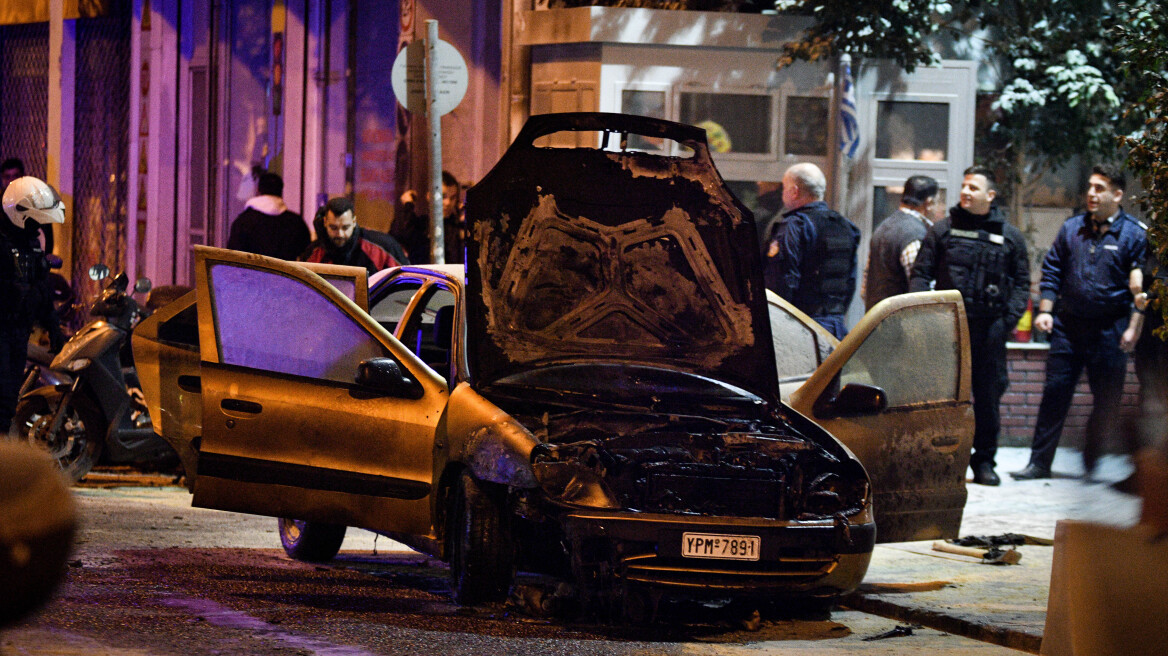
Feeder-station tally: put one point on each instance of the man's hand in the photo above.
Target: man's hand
(1043, 322)
(408, 197)
(1127, 343)
(1135, 325)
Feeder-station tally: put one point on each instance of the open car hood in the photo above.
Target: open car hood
(596, 255)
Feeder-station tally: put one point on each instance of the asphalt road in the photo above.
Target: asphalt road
(151, 575)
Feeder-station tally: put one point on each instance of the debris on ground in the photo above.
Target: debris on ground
(900, 631)
(990, 556)
(1003, 540)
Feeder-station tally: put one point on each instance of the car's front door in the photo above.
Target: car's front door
(287, 430)
(915, 348)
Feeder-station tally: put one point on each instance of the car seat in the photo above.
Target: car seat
(437, 352)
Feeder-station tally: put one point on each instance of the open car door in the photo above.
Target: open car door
(310, 408)
(913, 350)
(352, 281)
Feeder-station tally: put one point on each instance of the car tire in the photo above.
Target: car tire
(76, 450)
(482, 549)
(311, 542)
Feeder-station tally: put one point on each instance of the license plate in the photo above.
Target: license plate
(712, 545)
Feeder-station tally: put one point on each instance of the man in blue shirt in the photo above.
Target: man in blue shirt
(1087, 271)
(810, 257)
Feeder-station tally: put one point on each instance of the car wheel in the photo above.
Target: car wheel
(482, 550)
(76, 444)
(312, 542)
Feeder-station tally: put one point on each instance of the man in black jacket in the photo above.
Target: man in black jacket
(267, 226)
(25, 298)
(975, 251)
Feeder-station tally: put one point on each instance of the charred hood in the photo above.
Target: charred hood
(606, 255)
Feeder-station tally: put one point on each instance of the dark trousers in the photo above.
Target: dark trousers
(1076, 343)
(987, 349)
(834, 324)
(13, 352)
(1151, 360)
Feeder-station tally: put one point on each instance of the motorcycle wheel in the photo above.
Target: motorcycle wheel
(311, 542)
(76, 446)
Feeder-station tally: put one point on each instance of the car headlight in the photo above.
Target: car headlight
(569, 480)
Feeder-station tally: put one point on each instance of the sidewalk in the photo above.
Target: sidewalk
(1002, 604)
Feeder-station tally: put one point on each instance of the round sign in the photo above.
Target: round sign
(408, 77)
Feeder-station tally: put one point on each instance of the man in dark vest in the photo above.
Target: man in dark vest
(977, 252)
(810, 256)
(897, 240)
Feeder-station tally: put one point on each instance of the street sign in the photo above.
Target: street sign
(408, 77)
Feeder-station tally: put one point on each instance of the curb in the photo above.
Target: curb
(997, 635)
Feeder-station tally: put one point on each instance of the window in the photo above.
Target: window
(806, 126)
(734, 123)
(388, 310)
(912, 131)
(265, 320)
(644, 103)
(892, 356)
(796, 344)
(429, 331)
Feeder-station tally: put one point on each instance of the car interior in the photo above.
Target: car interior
(429, 330)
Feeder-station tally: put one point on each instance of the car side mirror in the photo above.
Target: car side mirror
(385, 375)
(853, 400)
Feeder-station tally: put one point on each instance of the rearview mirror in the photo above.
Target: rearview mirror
(385, 375)
(853, 400)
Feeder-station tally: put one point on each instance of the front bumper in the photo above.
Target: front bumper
(819, 558)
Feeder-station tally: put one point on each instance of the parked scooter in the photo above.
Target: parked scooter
(99, 412)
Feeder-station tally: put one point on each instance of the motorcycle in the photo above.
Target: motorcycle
(98, 411)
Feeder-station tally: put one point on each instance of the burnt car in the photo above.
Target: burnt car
(606, 393)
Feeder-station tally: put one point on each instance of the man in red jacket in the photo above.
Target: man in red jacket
(344, 243)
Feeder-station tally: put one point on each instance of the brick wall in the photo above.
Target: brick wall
(1027, 368)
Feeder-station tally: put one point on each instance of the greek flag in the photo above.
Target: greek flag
(849, 127)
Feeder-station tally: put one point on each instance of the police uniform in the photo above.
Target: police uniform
(1086, 275)
(985, 258)
(25, 299)
(811, 262)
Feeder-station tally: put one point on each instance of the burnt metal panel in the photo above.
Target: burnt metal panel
(599, 255)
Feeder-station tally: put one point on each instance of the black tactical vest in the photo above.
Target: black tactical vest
(974, 263)
(23, 287)
(828, 285)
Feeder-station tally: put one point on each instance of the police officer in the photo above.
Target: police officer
(811, 253)
(29, 203)
(1088, 271)
(977, 252)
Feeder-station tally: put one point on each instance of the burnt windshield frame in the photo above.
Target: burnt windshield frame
(626, 385)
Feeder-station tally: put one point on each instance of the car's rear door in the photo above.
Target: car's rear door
(286, 430)
(914, 347)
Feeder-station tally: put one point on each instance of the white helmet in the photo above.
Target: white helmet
(31, 198)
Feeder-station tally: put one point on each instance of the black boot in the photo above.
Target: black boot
(984, 474)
